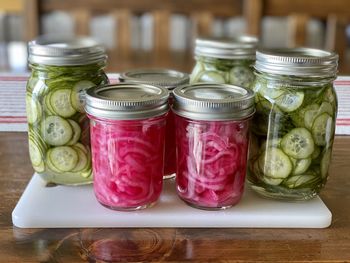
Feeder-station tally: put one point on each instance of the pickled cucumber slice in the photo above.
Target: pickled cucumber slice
(300, 165)
(196, 72)
(76, 132)
(56, 131)
(290, 101)
(325, 162)
(76, 99)
(298, 143)
(61, 103)
(270, 92)
(35, 153)
(322, 129)
(316, 152)
(300, 180)
(211, 77)
(40, 168)
(276, 142)
(272, 181)
(310, 112)
(82, 160)
(47, 105)
(275, 163)
(241, 76)
(33, 108)
(64, 158)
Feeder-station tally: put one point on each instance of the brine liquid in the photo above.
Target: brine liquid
(212, 159)
(128, 162)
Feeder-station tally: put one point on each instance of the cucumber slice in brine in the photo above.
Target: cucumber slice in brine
(309, 112)
(298, 143)
(325, 162)
(323, 129)
(196, 72)
(241, 76)
(35, 153)
(211, 77)
(270, 92)
(290, 101)
(76, 132)
(299, 180)
(76, 95)
(56, 131)
(64, 158)
(275, 163)
(33, 108)
(272, 181)
(300, 165)
(61, 103)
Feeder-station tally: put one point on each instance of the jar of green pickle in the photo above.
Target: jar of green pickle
(58, 128)
(294, 125)
(225, 60)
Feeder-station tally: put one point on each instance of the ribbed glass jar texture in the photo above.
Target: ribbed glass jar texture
(292, 133)
(128, 161)
(58, 129)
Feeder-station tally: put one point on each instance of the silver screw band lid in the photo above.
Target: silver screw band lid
(207, 101)
(126, 101)
(58, 51)
(242, 47)
(306, 62)
(165, 78)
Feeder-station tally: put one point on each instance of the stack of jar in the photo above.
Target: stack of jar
(154, 123)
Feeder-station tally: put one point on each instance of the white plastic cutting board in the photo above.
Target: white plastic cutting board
(64, 206)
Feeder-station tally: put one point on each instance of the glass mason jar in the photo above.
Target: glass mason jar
(168, 79)
(293, 128)
(127, 123)
(58, 129)
(212, 122)
(225, 60)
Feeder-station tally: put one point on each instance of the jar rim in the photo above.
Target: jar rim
(208, 101)
(126, 101)
(240, 47)
(166, 78)
(302, 61)
(65, 51)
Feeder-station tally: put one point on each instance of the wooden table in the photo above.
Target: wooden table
(167, 244)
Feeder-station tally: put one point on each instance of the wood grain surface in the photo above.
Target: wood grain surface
(168, 244)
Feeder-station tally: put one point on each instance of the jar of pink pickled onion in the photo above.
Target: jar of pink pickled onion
(127, 123)
(168, 79)
(212, 135)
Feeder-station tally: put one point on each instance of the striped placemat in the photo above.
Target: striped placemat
(13, 113)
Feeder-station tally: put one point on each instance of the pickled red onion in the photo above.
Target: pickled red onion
(128, 161)
(212, 159)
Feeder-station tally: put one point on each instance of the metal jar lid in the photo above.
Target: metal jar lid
(207, 101)
(126, 101)
(306, 62)
(54, 51)
(242, 47)
(165, 78)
